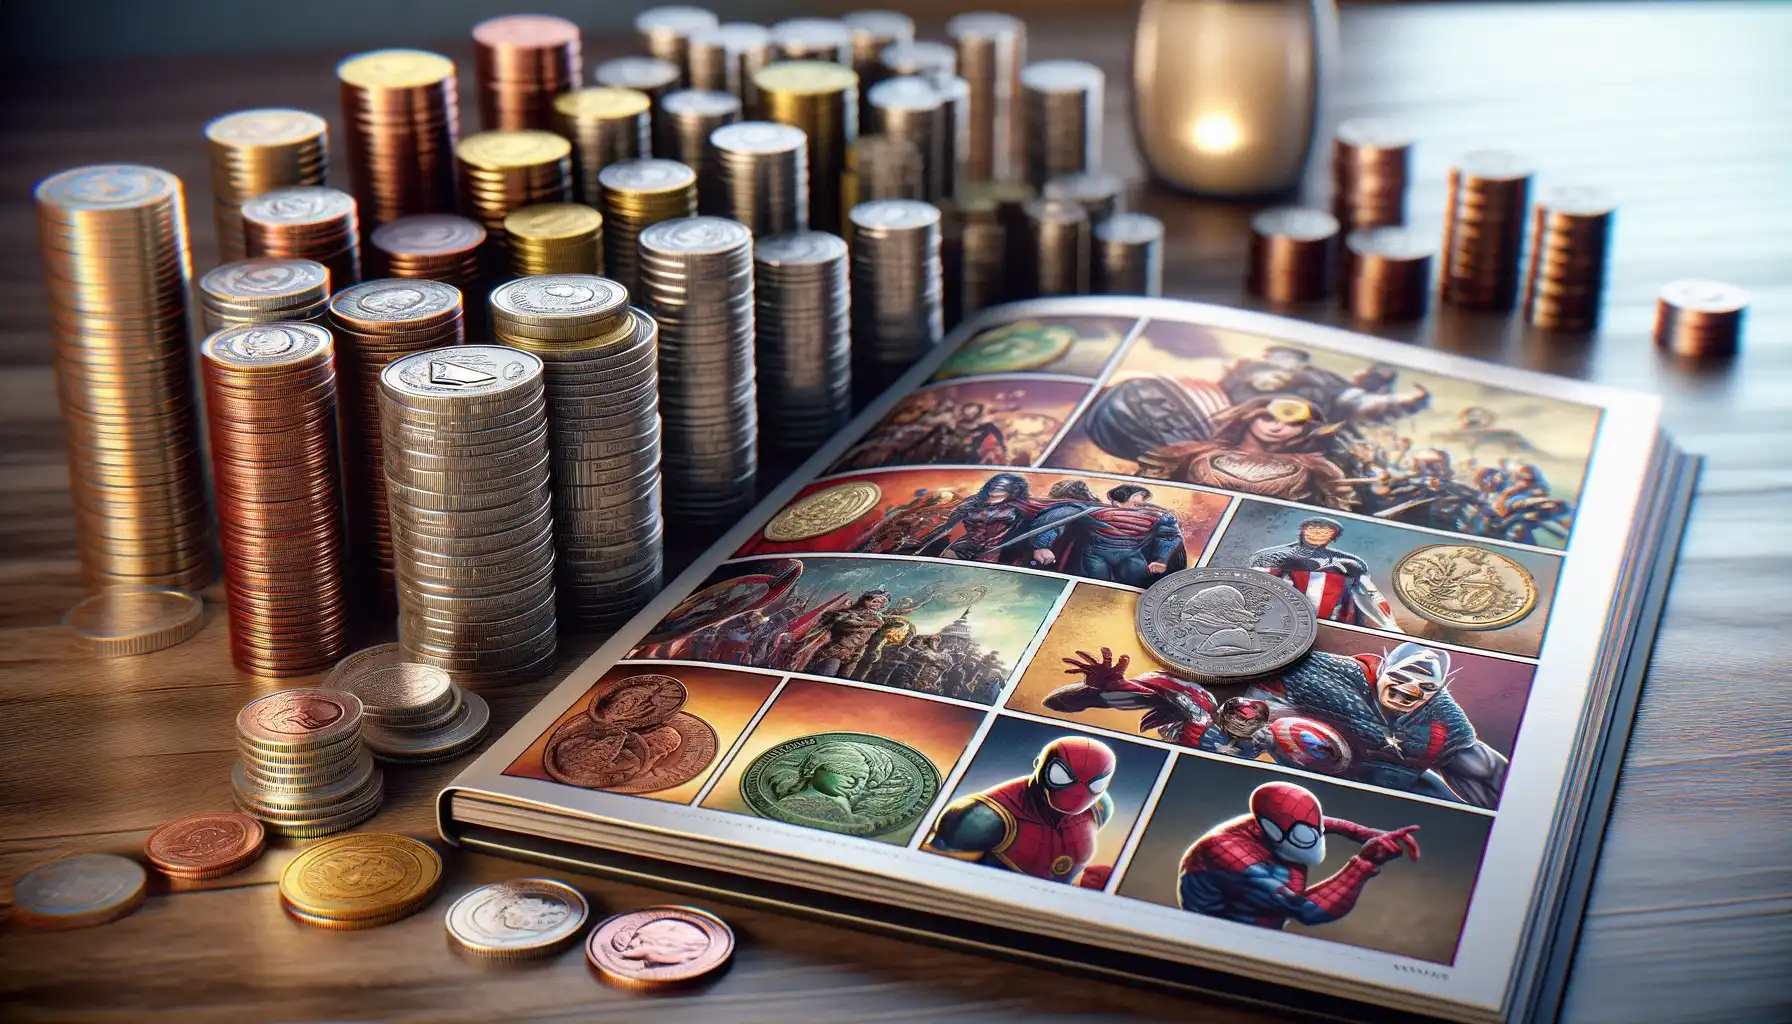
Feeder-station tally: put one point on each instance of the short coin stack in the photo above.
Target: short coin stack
(606, 126)
(505, 171)
(555, 238)
(687, 117)
(761, 176)
(600, 361)
(871, 32)
(1061, 104)
(521, 62)
(1371, 160)
(257, 151)
(813, 39)
(804, 322)
(974, 247)
(336, 884)
(649, 75)
(1484, 220)
(1293, 254)
(880, 167)
(1058, 245)
(924, 57)
(1127, 257)
(821, 98)
(465, 435)
(306, 222)
(726, 57)
(912, 108)
(410, 712)
(401, 112)
(1700, 318)
(1570, 235)
(637, 195)
(697, 282)
(439, 246)
(1387, 274)
(897, 315)
(667, 30)
(1101, 195)
(262, 290)
(304, 771)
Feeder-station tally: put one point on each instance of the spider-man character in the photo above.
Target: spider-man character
(1253, 869)
(1182, 711)
(1044, 824)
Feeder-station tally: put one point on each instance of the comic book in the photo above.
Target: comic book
(908, 690)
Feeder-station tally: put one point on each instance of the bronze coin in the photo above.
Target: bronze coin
(205, 845)
(659, 946)
(636, 702)
(585, 754)
(677, 752)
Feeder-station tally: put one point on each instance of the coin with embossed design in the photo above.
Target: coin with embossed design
(1225, 624)
(78, 892)
(362, 876)
(299, 719)
(637, 701)
(522, 918)
(823, 512)
(1464, 586)
(660, 946)
(853, 783)
(206, 845)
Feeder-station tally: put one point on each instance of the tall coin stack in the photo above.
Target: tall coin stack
(687, 118)
(649, 75)
(555, 238)
(375, 324)
(667, 30)
(306, 222)
(871, 32)
(912, 109)
(879, 167)
(270, 403)
(992, 48)
(973, 247)
(467, 484)
(1484, 230)
(401, 115)
(727, 57)
(1700, 319)
(114, 243)
(1570, 235)
(304, 771)
(437, 246)
(600, 362)
(697, 282)
(606, 126)
(826, 39)
(1128, 255)
(1387, 274)
(505, 171)
(822, 99)
(930, 60)
(803, 317)
(1058, 245)
(257, 151)
(1293, 255)
(897, 315)
(521, 62)
(1061, 103)
(261, 291)
(761, 176)
(1371, 161)
(637, 195)
(1101, 195)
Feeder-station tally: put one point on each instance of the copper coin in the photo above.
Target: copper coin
(659, 946)
(637, 701)
(205, 845)
(302, 718)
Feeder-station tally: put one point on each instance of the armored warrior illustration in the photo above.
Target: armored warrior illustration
(903, 526)
(1044, 824)
(999, 509)
(1180, 710)
(849, 632)
(1253, 869)
(1337, 582)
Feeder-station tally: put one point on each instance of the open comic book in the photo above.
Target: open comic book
(908, 689)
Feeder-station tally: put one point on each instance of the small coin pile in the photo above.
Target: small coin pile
(410, 712)
(521, 62)
(1061, 103)
(1058, 241)
(1387, 274)
(206, 845)
(727, 56)
(528, 917)
(401, 114)
(638, 194)
(78, 892)
(1128, 255)
(649, 75)
(761, 176)
(304, 771)
(660, 947)
(360, 881)
(803, 318)
(263, 290)
(605, 126)
(1484, 220)
(1293, 254)
(1371, 160)
(897, 311)
(258, 151)
(555, 238)
(119, 622)
(821, 98)
(505, 171)
(687, 118)
(1700, 318)
(1571, 233)
(306, 222)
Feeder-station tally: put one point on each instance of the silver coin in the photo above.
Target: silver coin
(1061, 76)
(522, 918)
(1225, 624)
(395, 300)
(300, 204)
(107, 187)
(644, 73)
(894, 214)
(454, 737)
(74, 892)
(560, 296)
(464, 370)
(267, 344)
(266, 277)
(1297, 222)
(758, 137)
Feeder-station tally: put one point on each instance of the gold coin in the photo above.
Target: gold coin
(805, 76)
(361, 877)
(499, 151)
(551, 221)
(602, 101)
(1464, 586)
(395, 69)
(823, 512)
(135, 620)
(265, 127)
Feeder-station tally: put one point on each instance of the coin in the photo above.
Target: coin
(135, 620)
(78, 892)
(823, 512)
(659, 946)
(385, 681)
(205, 845)
(361, 876)
(1225, 624)
(299, 718)
(1464, 586)
(1022, 345)
(583, 753)
(435, 743)
(853, 783)
(522, 918)
(636, 701)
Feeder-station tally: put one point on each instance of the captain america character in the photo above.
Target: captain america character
(1128, 540)
(1337, 582)
(1045, 824)
(1253, 868)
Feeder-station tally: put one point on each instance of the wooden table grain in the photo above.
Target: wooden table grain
(1685, 111)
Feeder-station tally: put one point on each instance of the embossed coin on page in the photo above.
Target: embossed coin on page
(522, 918)
(659, 946)
(78, 892)
(823, 512)
(636, 702)
(206, 845)
(1225, 624)
(1464, 586)
(853, 783)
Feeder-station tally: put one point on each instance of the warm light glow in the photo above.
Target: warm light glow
(1217, 134)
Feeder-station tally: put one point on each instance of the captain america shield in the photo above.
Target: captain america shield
(1309, 743)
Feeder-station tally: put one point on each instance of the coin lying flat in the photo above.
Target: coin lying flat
(659, 946)
(79, 892)
(1225, 624)
(360, 877)
(121, 621)
(206, 845)
(1464, 586)
(522, 918)
(823, 512)
(852, 783)
(299, 719)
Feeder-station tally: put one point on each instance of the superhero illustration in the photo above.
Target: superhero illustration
(1253, 869)
(988, 422)
(901, 527)
(719, 602)
(1179, 710)
(1337, 582)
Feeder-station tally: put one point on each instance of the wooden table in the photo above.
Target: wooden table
(1686, 111)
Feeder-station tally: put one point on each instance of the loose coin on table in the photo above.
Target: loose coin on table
(206, 845)
(1225, 625)
(120, 621)
(527, 917)
(360, 881)
(78, 892)
(659, 947)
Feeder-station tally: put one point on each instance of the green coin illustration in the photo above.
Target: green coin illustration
(852, 783)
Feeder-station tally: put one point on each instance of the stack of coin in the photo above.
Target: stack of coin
(401, 115)
(650, 75)
(410, 712)
(78, 892)
(375, 323)
(972, 247)
(438, 247)
(822, 99)
(118, 622)
(605, 126)
(306, 222)
(727, 57)
(912, 109)
(1293, 254)
(304, 771)
(1387, 274)
(1006, 256)
(1371, 159)
(872, 32)
(1061, 103)
(1570, 233)
(666, 33)
(114, 244)
(697, 281)
(206, 845)
(825, 39)
(1058, 240)
(897, 312)
(761, 176)
(262, 290)
(555, 238)
(270, 401)
(600, 362)
(803, 316)
(505, 171)
(1700, 318)
(467, 485)
(1484, 230)
(1128, 255)
(992, 48)
(955, 94)
(521, 62)
(880, 167)
(529, 917)
(360, 881)
(638, 194)
(257, 151)
(1101, 195)
(928, 59)
(687, 119)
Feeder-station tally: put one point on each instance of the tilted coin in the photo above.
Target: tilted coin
(522, 918)
(205, 845)
(364, 875)
(135, 620)
(823, 512)
(299, 718)
(659, 946)
(1225, 624)
(636, 701)
(1465, 586)
(1022, 345)
(79, 892)
(852, 783)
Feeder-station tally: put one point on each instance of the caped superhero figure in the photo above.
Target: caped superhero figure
(1044, 824)
(1181, 710)
(1127, 540)
(1253, 869)
(1337, 582)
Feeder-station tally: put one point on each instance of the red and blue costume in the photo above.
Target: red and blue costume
(1253, 869)
(1045, 824)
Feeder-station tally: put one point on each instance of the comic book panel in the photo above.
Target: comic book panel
(652, 730)
(1077, 346)
(932, 627)
(1262, 416)
(1229, 840)
(1046, 801)
(986, 421)
(1403, 716)
(848, 760)
(1378, 575)
(1088, 526)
